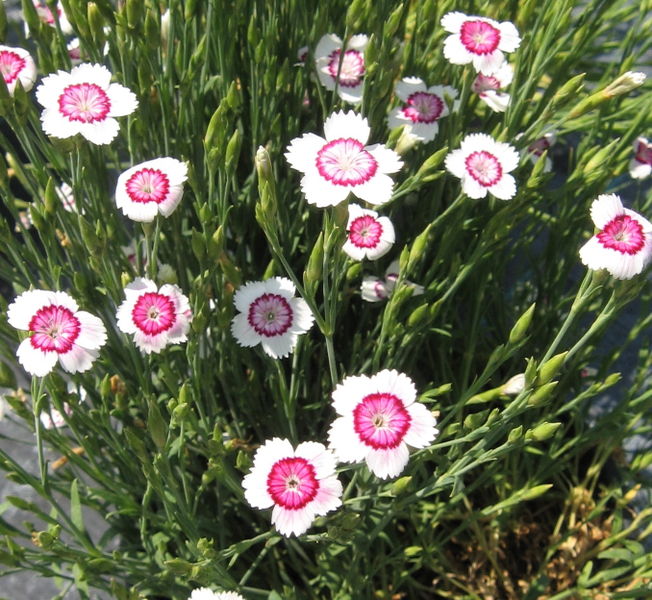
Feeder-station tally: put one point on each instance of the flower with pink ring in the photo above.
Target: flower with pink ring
(299, 483)
(341, 163)
(208, 594)
(536, 149)
(156, 317)
(483, 165)
(84, 102)
(17, 65)
(487, 87)
(378, 421)
(423, 107)
(374, 289)
(369, 236)
(478, 40)
(623, 244)
(328, 56)
(640, 166)
(47, 16)
(58, 330)
(270, 315)
(150, 188)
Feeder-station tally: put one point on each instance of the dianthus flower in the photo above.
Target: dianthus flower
(270, 315)
(207, 594)
(640, 166)
(536, 149)
(483, 165)
(156, 317)
(423, 107)
(17, 65)
(623, 244)
(150, 188)
(374, 289)
(58, 330)
(487, 86)
(53, 418)
(328, 55)
(368, 235)
(299, 483)
(341, 163)
(478, 40)
(378, 420)
(84, 101)
(45, 14)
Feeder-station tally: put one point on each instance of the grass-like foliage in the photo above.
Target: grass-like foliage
(241, 313)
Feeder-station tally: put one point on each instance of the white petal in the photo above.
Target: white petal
(456, 162)
(373, 289)
(639, 170)
(507, 155)
(92, 334)
(91, 73)
(408, 86)
(303, 317)
(319, 457)
(244, 333)
(142, 212)
(389, 462)
(455, 52)
(279, 346)
(35, 361)
(280, 285)
(344, 441)
(292, 522)
(354, 251)
(150, 343)
(605, 208)
(505, 188)
(171, 201)
(302, 152)
(327, 44)
(55, 125)
(472, 188)
(388, 160)
(247, 293)
(347, 125)
(422, 429)
(496, 101)
(348, 394)
(392, 382)
(452, 21)
(377, 190)
(123, 100)
(396, 118)
(77, 359)
(25, 306)
(357, 42)
(322, 193)
(100, 132)
(510, 40)
(349, 94)
(425, 132)
(382, 248)
(329, 496)
(488, 63)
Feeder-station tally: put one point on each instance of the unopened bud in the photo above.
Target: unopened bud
(625, 83)
(542, 432)
(522, 325)
(514, 385)
(550, 368)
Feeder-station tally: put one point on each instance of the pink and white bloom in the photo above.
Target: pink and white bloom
(74, 51)
(17, 65)
(378, 420)
(299, 483)
(150, 188)
(623, 244)
(84, 101)
(64, 193)
(640, 166)
(536, 149)
(58, 330)
(341, 163)
(369, 236)
(423, 107)
(46, 15)
(478, 40)
(374, 289)
(328, 54)
(156, 317)
(53, 418)
(207, 594)
(487, 87)
(271, 316)
(483, 165)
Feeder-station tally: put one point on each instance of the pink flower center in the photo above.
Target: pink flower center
(292, 483)
(270, 315)
(484, 83)
(54, 329)
(10, 65)
(423, 107)
(148, 185)
(539, 147)
(85, 103)
(365, 232)
(644, 153)
(345, 162)
(381, 421)
(623, 234)
(154, 313)
(352, 68)
(479, 37)
(484, 168)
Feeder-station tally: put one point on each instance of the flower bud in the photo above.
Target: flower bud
(542, 432)
(166, 274)
(542, 393)
(522, 325)
(514, 385)
(625, 83)
(550, 368)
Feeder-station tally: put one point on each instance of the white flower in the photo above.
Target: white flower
(58, 330)
(270, 315)
(538, 147)
(623, 246)
(74, 51)
(487, 86)
(351, 72)
(374, 289)
(482, 164)
(156, 317)
(17, 65)
(640, 166)
(341, 163)
(300, 484)
(84, 101)
(369, 236)
(207, 594)
(45, 14)
(64, 193)
(150, 188)
(478, 40)
(423, 107)
(378, 420)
